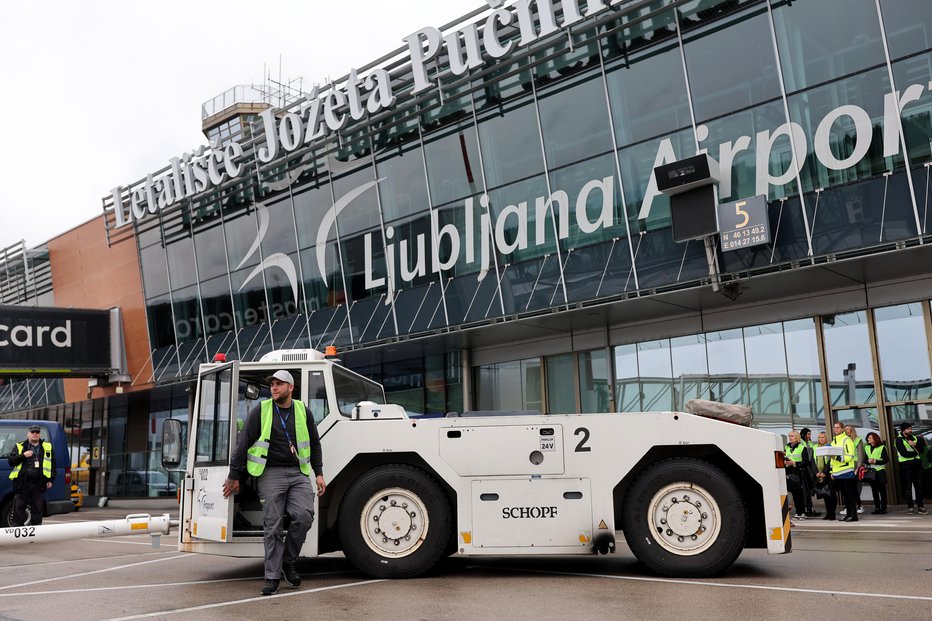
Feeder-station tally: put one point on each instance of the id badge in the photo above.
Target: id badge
(36, 462)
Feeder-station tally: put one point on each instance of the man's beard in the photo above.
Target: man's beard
(282, 399)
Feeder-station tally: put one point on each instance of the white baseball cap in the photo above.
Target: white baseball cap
(282, 376)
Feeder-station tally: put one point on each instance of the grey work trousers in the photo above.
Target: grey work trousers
(284, 491)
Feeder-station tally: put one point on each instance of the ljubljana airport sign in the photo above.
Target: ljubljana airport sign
(469, 48)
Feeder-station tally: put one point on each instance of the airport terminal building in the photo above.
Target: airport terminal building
(473, 219)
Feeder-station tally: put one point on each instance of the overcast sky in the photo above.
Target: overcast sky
(99, 93)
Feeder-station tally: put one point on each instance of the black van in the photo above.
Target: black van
(58, 498)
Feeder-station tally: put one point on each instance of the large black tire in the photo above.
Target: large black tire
(685, 518)
(395, 522)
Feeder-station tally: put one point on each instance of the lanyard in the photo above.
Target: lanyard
(284, 420)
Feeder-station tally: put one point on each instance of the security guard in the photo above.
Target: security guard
(795, 451)
(33, 472)
(843, 472)
(279, 445)
(908, 455)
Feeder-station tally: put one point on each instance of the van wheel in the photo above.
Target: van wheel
(395, 522)
(6, 514)
(685, 518)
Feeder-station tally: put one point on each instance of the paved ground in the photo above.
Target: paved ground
(879, 568)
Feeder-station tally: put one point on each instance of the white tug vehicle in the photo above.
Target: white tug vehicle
(688, 492)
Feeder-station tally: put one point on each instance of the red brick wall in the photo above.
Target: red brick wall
(86, 273)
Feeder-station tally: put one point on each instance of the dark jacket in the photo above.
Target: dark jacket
(28, 475)
(279, 453)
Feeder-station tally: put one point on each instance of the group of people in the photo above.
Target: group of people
(841, 473)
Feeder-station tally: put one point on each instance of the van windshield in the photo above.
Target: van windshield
(352, 388)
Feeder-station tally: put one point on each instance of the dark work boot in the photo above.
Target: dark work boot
(291, 574)
(270, 588)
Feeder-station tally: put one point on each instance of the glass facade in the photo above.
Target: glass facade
(774, 368)
(526, 185)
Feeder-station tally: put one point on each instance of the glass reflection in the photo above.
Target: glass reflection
(825, 40)
(848, 358)
(902, 345)
(561, 387)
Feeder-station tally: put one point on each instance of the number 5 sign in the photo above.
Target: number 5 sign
(744, 223)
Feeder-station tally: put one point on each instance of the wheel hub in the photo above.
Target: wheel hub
(394, 522)
(685, 518)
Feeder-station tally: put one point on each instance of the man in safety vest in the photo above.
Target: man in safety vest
(795, 453)
(843, 472)
(33, 472)
(280, 446)
(909, 450)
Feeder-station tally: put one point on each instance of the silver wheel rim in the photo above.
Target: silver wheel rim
(394, 522)
(684, 518)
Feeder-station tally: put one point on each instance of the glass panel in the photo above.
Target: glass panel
(310, 207)
(903, 352)
(743, 44)
(404, 189)
(574, 119)
(218, 306)
(690, 368)
(352, 388)
(453, 170)
(825, 40)
(648, 95)
(362, 214)
(213, 428)
(595, 381)
(510, 143)
(802, 362)
(768, 388)
(509, 386)
(561, 389)
(907, 23)
(848, 358)
(181, 263)
(154, 270)
(279, 234)
(209, 247)
(656, 373)
(187, 314)
(241, 233)
(727, 370)
(627, 385)
(864, 420)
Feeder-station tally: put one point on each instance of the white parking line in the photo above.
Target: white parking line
(79, 560)
(715, 584)
(163, 584)
(135, 543)
(248, 600)
(98, 571)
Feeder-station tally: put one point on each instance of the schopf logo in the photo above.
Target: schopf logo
(533, 513)
(24, 335)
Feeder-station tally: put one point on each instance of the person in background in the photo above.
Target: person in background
(823, 475)
(909, 448)
(33, 472)
(843, 472)
(852, 433)
(794, 452)
(809, 470)
(877, 459)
